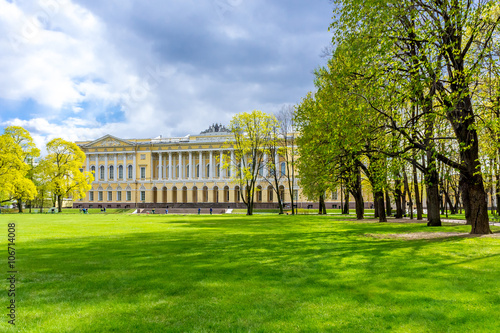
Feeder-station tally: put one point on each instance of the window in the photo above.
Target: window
(334, 195)
(111, 172)
(81, 170)
(198, 171)
(187, 171)
(295, 195)
(99, 196)
(92, 169)
(282, 167)
(118, 195)
(120, 172)
(101, 172)
(143, 195)
(129, 195)
(218, 171)
(91, 196)
(110, 196)
(130, 172)
(143, 172)
(208, 171)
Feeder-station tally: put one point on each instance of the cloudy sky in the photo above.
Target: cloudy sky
(80, 69)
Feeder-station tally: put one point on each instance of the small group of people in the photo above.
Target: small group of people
(199, 211)
(84, 210)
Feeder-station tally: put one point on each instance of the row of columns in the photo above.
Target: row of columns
(115, 166)
(182, 169)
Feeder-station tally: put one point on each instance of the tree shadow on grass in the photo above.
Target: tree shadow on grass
(233, 277)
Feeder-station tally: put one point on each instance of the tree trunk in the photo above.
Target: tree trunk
(388, 206)
(59, 203)
(407, 190)
(475, 205)
(398, 196)
(418, 199)
(432, 181)
(345, 209)
(375, 205)
(381, 206)
(321, 204)
(357, 193)
(20, 205)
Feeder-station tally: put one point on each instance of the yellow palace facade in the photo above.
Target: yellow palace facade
(171, 172)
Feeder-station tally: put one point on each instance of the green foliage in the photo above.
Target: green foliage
(252, 132)
(62, 168)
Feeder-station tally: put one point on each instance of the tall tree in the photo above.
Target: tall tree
(251, 133)
(63, 165)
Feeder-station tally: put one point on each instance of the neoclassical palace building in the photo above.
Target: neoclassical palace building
(170, 172)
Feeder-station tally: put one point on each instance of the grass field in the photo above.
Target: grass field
(157, 273)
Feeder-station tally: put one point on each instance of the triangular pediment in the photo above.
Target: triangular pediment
(109, 141)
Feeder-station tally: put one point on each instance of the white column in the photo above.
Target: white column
(191, 170)
(133, 168)
(276, 163)
(180, 165)
(211, 168)
(169, 165)
(221, 164)
(233, 162)
(200, 163)
(152, 166)
(160, 167)
(115, 168)
(87, 168)
(106, 167)
(264, 162)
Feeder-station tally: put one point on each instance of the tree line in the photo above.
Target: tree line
(410, 101)
(28, 179)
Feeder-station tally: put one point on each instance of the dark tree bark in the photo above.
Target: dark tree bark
(407, 189)
(398, 196)
(322, 206)
(381, 206)
(418, 200)
(357, 193)
(388, 207)
(375, 205)
(20, 205)
(345, 209)
(59, 203)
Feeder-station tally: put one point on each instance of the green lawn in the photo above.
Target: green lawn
(158, 273)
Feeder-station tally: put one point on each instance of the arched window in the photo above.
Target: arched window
(259, 193)
(111, 172)
(261, 171)
(226, 193)
(92, 169)
(282, 167)
(216, 194)
(270, 192)
(120, 172)
(205, 194)
(237, 194)
(195, 194)
(101, 172)
(130, 172)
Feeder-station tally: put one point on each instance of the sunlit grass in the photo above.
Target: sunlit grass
(158, 273)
